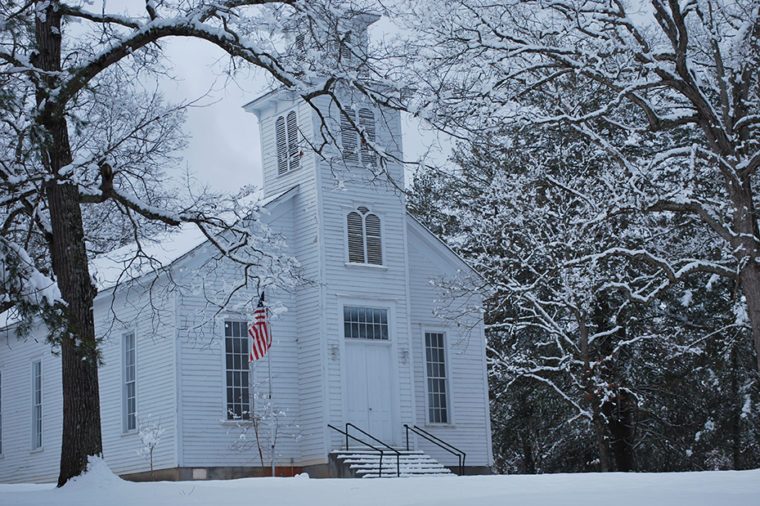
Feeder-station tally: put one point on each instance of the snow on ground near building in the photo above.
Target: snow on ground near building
(99, 487)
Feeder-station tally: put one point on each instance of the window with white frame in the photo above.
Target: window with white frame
(435, 360)
(357, 147)
(364, 237)
(37, 404)
(236, 360)
(129, 387)
(365, 323)
(286, 133)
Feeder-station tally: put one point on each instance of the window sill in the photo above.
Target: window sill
(235, 423)
(130, 432)
(37, 450)
(441, 425)
(366, 266)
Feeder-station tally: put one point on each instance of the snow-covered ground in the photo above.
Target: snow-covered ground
(101, 488)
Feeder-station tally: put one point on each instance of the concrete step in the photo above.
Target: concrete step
(365, 463)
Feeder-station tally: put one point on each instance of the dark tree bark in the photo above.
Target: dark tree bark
(597, 421)
(736, 407)
(79, 357)
(620, 421)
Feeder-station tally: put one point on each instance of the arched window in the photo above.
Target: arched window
(288, 153)
(356, 148)
(364, 240)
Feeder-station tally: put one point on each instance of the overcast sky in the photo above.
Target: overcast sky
(224, 150)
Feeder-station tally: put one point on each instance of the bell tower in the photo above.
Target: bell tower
(348, 230)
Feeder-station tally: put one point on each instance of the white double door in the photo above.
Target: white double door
(369, 388)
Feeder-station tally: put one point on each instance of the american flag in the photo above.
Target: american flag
(260, 332)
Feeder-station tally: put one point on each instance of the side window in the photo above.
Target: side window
(286, 137)
(129, 387)
(37, 404)
(364, 237)
(236, 350)
(436, 375)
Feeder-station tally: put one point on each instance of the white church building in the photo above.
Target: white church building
(363, 340)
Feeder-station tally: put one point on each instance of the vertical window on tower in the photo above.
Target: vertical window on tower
(367, 123)
(355, 147)
(364, 237)
(37, 404)
(435, 362)
(129, 388)
(349, 136)
(237, 371)
(286, 137)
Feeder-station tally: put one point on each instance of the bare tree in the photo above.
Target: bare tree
(150, 432)
(679, 82)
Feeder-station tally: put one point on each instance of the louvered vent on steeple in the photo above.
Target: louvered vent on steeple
(286, 137)
(364, 240)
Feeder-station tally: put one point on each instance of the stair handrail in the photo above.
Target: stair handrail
(373, 438)
(380, 450)
(461, 456)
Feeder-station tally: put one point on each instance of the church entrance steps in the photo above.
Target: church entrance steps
(360, 463)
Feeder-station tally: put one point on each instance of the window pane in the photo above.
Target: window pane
(365, 323)
(236, 361)
(436, 377)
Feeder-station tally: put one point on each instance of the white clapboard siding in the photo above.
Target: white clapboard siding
(208, 438)
(19, 463)
(152, 321)
(344, 189)
(180, 347)
(469, 429)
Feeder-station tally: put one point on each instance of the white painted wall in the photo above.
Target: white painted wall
(470, 428)
(208, 438)
(152, 322)
(181, 373)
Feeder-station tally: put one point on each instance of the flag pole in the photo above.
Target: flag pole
(269, 370)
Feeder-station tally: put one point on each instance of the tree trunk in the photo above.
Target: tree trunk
(747, 251)
(736, 407)
(79, 355)
(620, 421)
(597, 421)
(750, 284)
(529, 464)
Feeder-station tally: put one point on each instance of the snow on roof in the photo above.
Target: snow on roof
(159, 252)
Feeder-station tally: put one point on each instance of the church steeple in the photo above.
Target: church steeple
(345, 46)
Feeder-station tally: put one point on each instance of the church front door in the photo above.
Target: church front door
(369, 387)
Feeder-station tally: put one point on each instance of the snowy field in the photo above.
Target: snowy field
(101, 488)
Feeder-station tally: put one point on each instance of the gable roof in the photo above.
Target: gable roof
(158, 253)
(162, 251)
(438, 242)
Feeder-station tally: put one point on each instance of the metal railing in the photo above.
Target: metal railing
(373, 438)
(437, 441)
